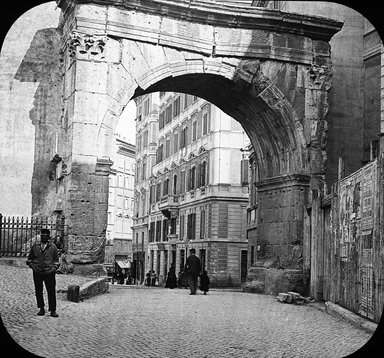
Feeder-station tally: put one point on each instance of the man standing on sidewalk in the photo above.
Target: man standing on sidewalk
(43, 259)
(192, 270)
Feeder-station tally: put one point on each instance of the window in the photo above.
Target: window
(182, 189)
(146, 107)
(165, 187)
(181, 227)
(205, 123)
(165, 230)
(168, 114)
(194, 99)
(144, 201)
(174, 185)
(172, 226)
(244, 172)
(203, 173)
(184, 135)
(119, 202)
(151, 194)
(175, 142)
(152, 232)
(176, 107)
(191, 226)
(126, 203)
(161, 120)
(158, 188)
(167, 148)
(185, 101)
(192, 178)
(144, 169)
(158, 231)
(145, 139)
(160, 153)
(194, 131)
(202, 224)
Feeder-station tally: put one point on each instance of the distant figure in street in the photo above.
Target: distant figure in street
(171, 277)
(182, 281)
(153, 278)
(192, 270)
(129, 280)
(148, 278)
(121, 278)
(204, 282)
(43, 259)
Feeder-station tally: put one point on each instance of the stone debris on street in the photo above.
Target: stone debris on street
(157, 322)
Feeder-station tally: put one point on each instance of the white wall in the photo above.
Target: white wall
(16, 100)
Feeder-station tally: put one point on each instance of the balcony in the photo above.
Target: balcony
(169, 202)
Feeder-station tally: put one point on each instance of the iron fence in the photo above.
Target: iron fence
(18, 234)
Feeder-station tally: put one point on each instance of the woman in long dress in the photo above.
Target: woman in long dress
(171, 277)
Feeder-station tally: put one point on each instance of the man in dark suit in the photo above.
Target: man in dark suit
(43, 259)
(192, 269)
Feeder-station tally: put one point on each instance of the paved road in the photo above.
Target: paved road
(159, 322)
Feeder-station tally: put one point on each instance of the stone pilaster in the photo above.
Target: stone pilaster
(279, 259)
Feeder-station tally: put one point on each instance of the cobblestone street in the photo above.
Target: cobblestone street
(130, 321)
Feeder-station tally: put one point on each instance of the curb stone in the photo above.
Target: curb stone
(340, 312)
(89, 289)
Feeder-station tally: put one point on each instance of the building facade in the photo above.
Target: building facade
(196, 193)
(120, 203)
(147, 130)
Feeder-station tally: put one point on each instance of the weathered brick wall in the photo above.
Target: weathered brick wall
(346, 243)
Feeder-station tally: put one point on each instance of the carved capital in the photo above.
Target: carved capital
(320, 77)
(84, 46)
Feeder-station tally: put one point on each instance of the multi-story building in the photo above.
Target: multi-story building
(196, 195)
(147, 128)
(121, 203)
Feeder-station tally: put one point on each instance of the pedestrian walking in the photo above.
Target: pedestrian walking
(204, 282)
(148, 278)
(43, 259)
(181, 280)
(153, 278)
(192, 270)
(171, 277)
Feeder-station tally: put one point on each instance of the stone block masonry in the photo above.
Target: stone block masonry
(78, 293)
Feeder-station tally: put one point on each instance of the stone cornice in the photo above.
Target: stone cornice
(282, 181)
(214, 14)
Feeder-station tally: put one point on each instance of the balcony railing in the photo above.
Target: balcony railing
(169, 201)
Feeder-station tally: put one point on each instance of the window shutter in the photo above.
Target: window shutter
(199, 119)
(244, 171)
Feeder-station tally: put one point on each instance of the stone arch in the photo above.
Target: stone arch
(242, 91)
(267, 69)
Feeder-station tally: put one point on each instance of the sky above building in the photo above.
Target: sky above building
(126, 127)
